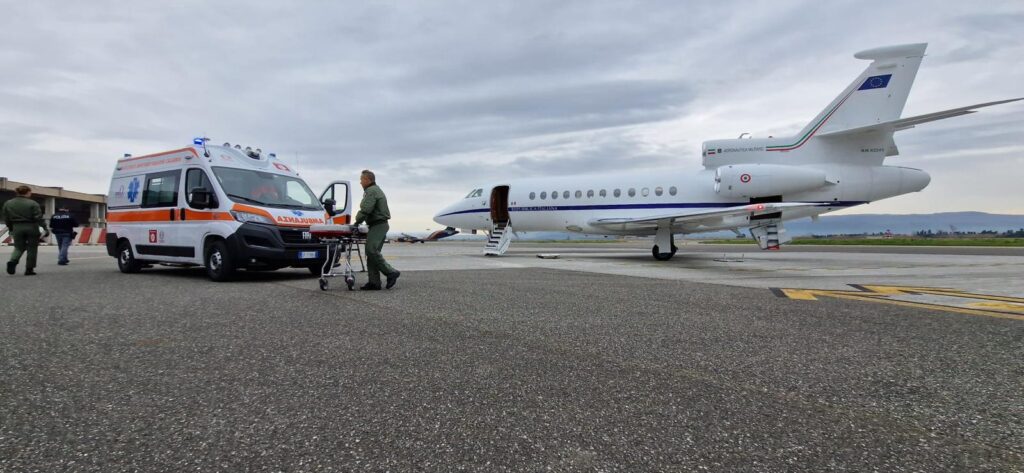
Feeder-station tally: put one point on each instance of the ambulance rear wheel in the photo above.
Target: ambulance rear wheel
(126, 261)
(218, 262)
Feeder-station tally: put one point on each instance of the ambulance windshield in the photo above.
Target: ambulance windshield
(263, 188)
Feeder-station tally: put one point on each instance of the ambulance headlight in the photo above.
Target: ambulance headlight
(248, 217)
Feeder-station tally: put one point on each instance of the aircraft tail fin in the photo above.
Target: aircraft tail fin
(876, 96)
(447, 232)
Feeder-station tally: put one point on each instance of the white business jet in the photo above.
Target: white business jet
(835, 162)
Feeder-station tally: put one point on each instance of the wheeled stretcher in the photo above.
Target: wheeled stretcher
(340, 242)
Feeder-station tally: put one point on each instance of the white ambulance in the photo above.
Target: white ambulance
(221, 207)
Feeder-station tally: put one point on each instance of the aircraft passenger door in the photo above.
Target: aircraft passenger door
(499, 204)
(340, 192)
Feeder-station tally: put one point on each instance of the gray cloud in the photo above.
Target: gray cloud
(455, 91)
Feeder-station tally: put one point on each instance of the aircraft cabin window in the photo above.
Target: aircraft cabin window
(554, 195)
(617, 192)
(544, 195)
(632, 192)
(658, 190)
(579, 194)
(603, 193)
(565, 194)
(533, 195)
(645, 191)
(590, 193)
(672, 190)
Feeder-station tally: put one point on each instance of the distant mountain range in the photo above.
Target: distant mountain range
(906, 224)
(847, 225)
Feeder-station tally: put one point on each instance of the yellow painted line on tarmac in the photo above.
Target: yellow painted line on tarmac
(1003, 307)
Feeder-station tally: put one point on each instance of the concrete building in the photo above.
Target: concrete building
(89, 209)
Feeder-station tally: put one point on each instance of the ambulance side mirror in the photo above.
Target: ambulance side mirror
(329, 206)
(200, 198)
(337, 198)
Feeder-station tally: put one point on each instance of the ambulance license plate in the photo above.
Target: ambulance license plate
(308, 254)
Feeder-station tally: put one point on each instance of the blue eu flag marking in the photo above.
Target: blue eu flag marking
(876, 82)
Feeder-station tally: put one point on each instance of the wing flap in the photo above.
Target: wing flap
(703, 215)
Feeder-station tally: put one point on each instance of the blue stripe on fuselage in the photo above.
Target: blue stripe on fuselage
(681, 205)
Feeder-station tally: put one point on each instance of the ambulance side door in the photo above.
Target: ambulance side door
(159, 239)
(199, 216)
(341, 193)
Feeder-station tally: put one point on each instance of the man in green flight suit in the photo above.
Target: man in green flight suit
(374, 211)
(24, 218)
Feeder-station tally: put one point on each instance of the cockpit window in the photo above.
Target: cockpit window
(475, 193)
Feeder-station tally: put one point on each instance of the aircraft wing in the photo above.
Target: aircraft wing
(710, 216)
(911, 122)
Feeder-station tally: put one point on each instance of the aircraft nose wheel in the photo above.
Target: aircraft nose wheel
(323, 284)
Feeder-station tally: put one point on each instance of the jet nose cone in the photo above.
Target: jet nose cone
(441, 216)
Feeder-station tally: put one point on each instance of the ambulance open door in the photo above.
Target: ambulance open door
(337, 200)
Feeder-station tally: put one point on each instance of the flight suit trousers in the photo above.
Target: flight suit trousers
(26, 240)
(375, 263)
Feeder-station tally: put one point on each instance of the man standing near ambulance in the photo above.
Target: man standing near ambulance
(63, 224)
(374, 211)
(24, 218)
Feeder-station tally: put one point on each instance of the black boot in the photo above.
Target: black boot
(392, 279)
(11, 265)
(370, 287)
(30, 272)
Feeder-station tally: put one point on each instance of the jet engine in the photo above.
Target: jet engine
(762, 180)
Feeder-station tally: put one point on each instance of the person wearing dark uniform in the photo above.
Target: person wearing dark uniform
(62, 224)
(24, 218)
(374, 211)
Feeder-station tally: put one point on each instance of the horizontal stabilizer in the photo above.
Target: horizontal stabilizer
(910, 122)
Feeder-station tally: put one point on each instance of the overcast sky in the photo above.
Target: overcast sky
(439, 96)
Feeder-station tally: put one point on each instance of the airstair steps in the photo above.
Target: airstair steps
(770, 236)
(499, 239)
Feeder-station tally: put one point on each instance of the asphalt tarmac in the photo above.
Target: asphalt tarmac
(494, 369)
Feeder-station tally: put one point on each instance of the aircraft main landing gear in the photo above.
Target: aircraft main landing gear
(663, 239)
(658, 255)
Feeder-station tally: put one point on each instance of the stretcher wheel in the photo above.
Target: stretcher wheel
(350, 282)
(323, 284)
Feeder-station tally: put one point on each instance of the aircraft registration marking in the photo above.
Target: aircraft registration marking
(934, 298)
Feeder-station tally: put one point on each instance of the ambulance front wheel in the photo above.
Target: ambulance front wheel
(126, 261)
(218, 262)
